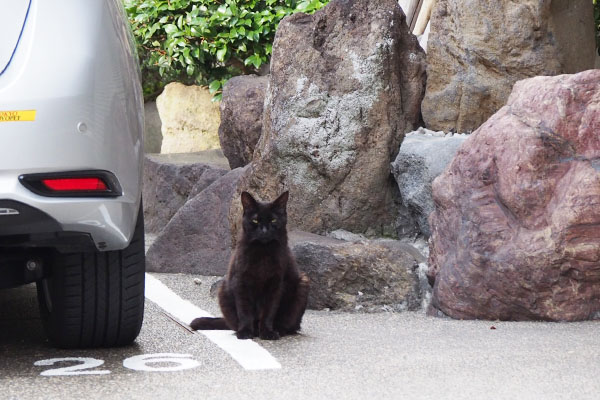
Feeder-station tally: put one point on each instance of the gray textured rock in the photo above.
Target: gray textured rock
(370, 275)
(197, 239)
(241, 117)
(346, 83)
(341, 234)
(169, 180)
(477, 50)
(152, 130)
(422, 157)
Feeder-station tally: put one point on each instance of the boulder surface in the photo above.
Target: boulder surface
(197, 239)
(346, 84)
(241, 117)
(171, 179)
(369, 275)
(422, 157)
(516, 229)
(477, 50)
(152, 128)
(190, 119)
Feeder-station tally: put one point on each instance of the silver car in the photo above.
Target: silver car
(71, 151)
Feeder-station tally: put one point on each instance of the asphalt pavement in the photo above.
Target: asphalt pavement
(337, 356)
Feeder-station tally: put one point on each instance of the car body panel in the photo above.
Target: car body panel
(11, 28)
(75, 68)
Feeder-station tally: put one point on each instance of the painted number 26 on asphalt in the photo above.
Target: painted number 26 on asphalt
(142, 362)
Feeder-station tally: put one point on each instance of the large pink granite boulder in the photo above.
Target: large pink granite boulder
(516, 229)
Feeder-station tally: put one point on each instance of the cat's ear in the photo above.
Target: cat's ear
(281, 201)
(248, 202)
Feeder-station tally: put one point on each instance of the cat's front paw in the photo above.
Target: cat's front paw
(269, 335)
(244, 334)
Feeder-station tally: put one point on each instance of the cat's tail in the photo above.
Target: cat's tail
(209, 324)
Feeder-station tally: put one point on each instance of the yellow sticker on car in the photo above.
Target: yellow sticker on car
(17, 116)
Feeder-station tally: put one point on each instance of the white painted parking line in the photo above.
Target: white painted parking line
(247, 353)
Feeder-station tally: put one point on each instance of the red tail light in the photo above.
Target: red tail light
(75, 184)
(93, 183)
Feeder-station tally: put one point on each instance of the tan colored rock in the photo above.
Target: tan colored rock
(190, 119)
(477, 50)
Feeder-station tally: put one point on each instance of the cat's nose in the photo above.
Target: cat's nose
(263, 229)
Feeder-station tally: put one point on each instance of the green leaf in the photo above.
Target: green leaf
(222, 9)
(214, 86)
(254, 59)
(170, 28)
(187, 57)
(303, 6)
(190, 40)
(221, 54)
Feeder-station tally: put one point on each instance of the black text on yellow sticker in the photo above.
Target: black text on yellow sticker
(17, 116)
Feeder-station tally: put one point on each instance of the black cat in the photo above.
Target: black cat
(263, 293)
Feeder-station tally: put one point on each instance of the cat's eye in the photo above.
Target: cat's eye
(255, 221)
(274, 220)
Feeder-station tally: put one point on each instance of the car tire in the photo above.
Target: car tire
(95, 299)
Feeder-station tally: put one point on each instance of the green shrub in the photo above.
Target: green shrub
(206, 41)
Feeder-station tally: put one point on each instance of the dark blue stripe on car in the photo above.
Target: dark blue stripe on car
(18, 40)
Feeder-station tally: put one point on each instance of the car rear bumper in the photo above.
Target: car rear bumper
(74, 78)
(109, 222)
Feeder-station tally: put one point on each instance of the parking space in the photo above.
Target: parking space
(338, 356)
(26, 348)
